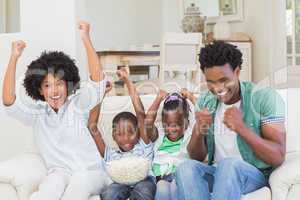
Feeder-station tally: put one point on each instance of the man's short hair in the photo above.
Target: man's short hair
(219, 53)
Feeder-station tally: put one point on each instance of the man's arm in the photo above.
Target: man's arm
(95, 67)
(152, 113)
(9, 83)
(270, 148)
(137, 104)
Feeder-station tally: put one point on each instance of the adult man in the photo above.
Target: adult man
(239, 127)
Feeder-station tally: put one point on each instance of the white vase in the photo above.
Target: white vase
(222, 30)
(192, 20)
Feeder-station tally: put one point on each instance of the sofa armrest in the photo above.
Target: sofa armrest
(285, 176)
(8, 192)
(23, 172)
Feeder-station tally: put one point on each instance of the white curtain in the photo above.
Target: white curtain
(2, 16)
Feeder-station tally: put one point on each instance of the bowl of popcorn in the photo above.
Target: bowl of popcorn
(128, 170)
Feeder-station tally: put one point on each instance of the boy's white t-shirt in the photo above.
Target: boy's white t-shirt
(225, 139)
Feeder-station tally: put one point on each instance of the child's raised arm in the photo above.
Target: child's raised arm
(95, 67)
(152, 113)
(95, 132)
(137, 103)
(92, 124)
(9, 83)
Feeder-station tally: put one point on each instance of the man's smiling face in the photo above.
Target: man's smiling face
(223, 81)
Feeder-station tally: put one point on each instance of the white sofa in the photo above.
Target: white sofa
(20, 175)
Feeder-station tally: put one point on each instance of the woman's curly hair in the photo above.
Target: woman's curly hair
(219, 53)
(53, 62)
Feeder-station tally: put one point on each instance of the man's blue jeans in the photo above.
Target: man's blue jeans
(228, 181)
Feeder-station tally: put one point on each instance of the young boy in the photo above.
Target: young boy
(59, 119)
(130, 135)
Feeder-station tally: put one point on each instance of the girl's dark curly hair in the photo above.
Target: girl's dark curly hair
(219, 53)
(176, 102)
(53, 62)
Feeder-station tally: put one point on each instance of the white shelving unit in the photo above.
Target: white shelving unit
(246, 49)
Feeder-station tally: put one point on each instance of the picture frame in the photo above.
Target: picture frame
(228, 7)
(234, 9)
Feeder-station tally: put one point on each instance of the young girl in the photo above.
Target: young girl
(171, 142)
(59, 118)
(133, 141)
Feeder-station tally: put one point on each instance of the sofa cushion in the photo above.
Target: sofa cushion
(95, 197)
(291, 96)
(8, 192)
(293, 123)
(294, 192)
(263, 193)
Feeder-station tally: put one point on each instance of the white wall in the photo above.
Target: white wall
(171, 16)
(50, 26)
(279, 41)
(264, 22)
(121, 23)
(209, 8)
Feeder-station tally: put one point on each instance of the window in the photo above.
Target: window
(293, 32)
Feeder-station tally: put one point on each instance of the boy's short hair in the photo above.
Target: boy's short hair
(125, 116)
(219, 53)
(52, 62)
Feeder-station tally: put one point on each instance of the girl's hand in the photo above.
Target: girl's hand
(18, 48)
(186, 93)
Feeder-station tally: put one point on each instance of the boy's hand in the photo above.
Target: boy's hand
(122, 74)
(84, 28)
(108, 87)
(17, 48)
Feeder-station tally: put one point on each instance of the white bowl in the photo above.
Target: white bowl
(128, 170)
